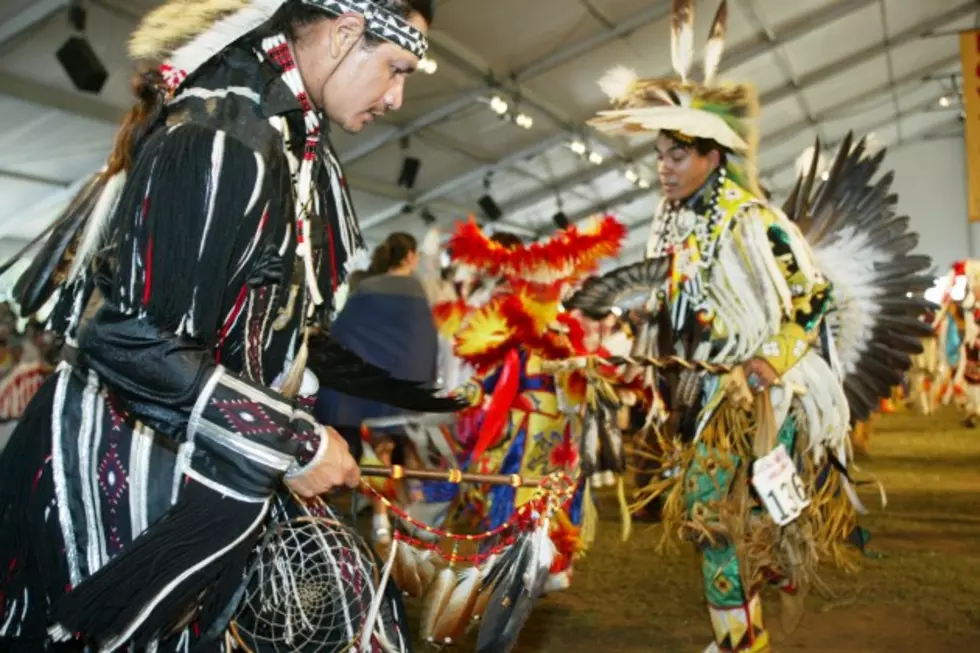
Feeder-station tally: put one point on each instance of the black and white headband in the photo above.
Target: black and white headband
(380, 22)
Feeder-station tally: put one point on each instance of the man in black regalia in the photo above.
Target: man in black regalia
(140, 478)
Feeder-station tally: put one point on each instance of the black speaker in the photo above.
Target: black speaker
(82, 65)
(410, 170)
(490, 208)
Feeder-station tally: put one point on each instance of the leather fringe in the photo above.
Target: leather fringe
(184, 568)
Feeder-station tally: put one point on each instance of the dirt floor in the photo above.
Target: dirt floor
(919, 591)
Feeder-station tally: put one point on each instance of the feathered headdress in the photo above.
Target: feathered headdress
(567, 256)
(723, 113)
(184, 34)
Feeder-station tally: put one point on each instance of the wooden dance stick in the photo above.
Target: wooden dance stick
(585, 362)
(453, 476)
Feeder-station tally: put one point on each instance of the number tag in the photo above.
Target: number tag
(779, 486)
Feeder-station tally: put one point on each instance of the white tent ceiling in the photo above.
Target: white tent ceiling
(822, 67)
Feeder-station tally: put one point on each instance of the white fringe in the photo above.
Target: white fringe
(97, 224)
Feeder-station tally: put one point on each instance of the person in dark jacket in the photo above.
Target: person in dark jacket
(387, 320)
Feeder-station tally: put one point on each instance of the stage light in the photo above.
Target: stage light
(944, 101)
(631, 175)
(490, 208)
(498, 105)
(82, 65)
(523, 120)
(595, 158)
(644, 184)
(578, 147)
(410, 171)
(826, 175)
(428, 66)
(560, 220)
(427, 216)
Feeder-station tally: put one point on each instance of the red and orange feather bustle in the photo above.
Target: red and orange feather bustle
(570, 254)
(528, 312)
(449, 315)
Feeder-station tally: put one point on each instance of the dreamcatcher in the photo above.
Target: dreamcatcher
(315, 587)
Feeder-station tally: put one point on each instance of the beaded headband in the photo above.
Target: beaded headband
(380, 22)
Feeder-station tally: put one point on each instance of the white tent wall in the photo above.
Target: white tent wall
(930, 177)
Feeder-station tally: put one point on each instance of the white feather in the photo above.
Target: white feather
(712, 58)
(805, 160)
(848, 262)
(222, 34)
(98, 223)
(682, 47)
(872, 145)
(618, 83)
(543, 552)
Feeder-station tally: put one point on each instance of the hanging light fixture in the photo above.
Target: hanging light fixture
(498, 105)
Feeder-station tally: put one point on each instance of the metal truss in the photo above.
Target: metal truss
(741, 54)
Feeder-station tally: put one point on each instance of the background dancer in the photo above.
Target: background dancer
(732, 280)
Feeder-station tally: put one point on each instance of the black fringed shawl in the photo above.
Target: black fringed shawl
(161, 448)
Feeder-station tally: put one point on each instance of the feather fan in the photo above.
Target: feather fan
(619, 286)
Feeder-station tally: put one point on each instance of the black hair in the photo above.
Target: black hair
(392, 252)
(405, 8)
(297, 14)
(507, 239)
(596, 314)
